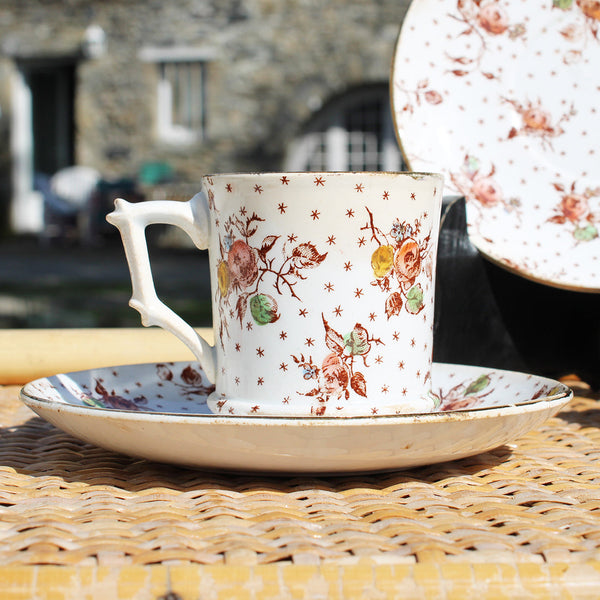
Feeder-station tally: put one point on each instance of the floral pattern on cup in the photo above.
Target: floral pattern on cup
(397, 262)
(246, 264)
(338, 374)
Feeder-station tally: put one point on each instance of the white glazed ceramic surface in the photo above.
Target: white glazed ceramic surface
(502, 97)
(323, 290)
(159, 412)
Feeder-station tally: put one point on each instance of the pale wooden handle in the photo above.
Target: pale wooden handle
(27, 354)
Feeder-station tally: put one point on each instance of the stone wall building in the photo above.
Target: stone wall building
(167, 91)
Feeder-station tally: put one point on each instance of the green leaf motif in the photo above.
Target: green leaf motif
(478, 385)
(356, 342)
(89, 401)
(263, 309)
(564, 4)
(414, 299)
(585, 234)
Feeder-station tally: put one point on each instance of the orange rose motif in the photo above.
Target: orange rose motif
(407, 260)
(492, 18)
(574, 207)
(241, 260)
(335, 375)
(535, 118)
(590, 8)
(487, 191)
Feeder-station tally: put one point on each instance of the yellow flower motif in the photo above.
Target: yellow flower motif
(382, 261)
(223, 278)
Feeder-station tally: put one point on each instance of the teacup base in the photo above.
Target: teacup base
(222, 405)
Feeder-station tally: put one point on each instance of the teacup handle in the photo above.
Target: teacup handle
(131, 220)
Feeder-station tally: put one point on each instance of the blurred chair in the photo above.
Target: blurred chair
(67, 197)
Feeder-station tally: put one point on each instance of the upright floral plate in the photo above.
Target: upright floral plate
(501, 96)
(159, 412)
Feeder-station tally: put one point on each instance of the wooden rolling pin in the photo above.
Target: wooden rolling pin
(27, 354)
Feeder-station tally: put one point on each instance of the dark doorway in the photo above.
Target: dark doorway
(52, 88)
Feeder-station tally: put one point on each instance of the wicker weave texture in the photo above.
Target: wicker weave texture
(64, 502)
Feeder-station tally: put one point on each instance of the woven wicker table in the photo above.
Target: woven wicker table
(82, 522)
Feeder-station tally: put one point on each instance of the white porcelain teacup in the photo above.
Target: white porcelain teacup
(322, 288)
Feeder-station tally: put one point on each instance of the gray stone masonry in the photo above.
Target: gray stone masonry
(273, 62)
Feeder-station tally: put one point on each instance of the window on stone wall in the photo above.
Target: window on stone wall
(181, 106)
(180, 93)
(353, 132)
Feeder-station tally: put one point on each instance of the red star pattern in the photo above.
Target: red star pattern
(335, 306)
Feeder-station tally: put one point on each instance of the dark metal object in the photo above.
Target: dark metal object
(488, 316)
